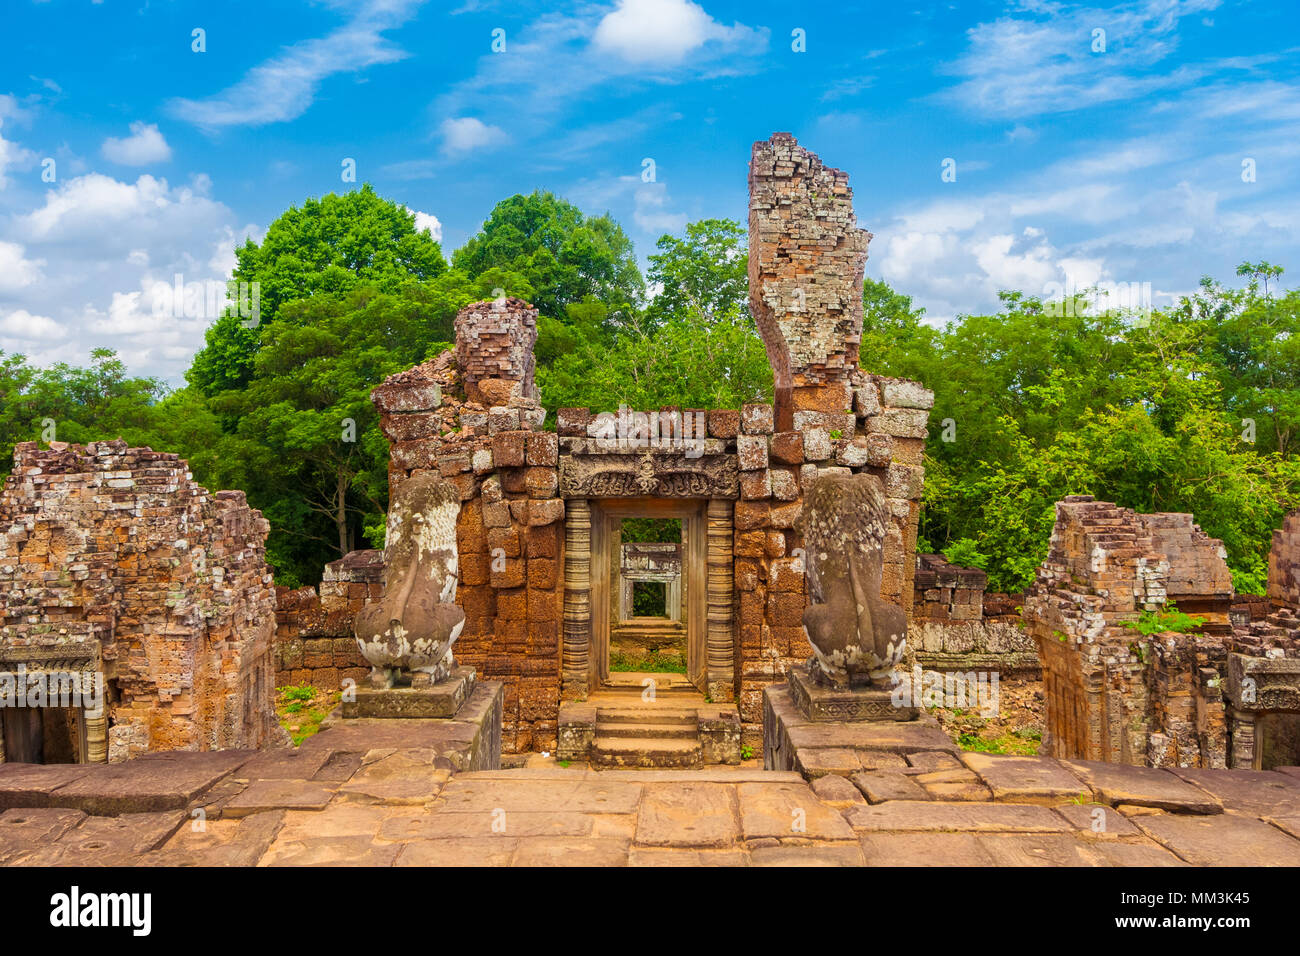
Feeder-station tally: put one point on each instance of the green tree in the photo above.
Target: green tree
(327, 245)
(702, 276)
(564, 256)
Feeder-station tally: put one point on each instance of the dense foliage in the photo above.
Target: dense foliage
(1195, 408)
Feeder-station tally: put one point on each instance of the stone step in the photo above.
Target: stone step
(631, 752)
(647, 714)
(648, 731)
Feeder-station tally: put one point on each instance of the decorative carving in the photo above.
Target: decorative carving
(857, 637)
(415, 623)
(652, 476)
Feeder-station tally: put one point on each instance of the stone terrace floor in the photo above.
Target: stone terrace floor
(350, 796)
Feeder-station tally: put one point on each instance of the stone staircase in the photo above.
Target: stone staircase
(622, 727)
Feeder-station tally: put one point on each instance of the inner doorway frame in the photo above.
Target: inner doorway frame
(707, 575)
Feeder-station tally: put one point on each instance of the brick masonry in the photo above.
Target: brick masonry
(114, 556)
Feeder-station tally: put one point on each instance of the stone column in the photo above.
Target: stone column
(721, 674)
(575, 666)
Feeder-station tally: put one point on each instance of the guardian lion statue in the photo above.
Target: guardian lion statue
(857, 637)
(414, 625)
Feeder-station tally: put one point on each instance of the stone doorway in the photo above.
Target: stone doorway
(42, 735)
(594, 589)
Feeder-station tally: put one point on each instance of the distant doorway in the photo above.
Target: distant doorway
(43, 734)
(648, 630)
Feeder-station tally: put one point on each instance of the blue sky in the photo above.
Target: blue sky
(1081, 157)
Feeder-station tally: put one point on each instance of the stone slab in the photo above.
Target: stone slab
(329, 851)
(1035, 849)
(467, 794)
(220, 842)
(1257, 792)
(25, 830)
(110, 841)
(819, 702)
(837, 791)
(1097, 822)
(443, 699)
(687, 815)
(263, 795)
(1142, 786)
(30, 785)
(1039, 780)
(1226, 839)
(909, 815)
(458, 851)
(661, 856)
(154, 782)
(486, 826)
(567, 851)
(400, 777)
(785, 810)
(881, 785)
(924, 849)
(283, 764)
(808, 855)
(1122, 853)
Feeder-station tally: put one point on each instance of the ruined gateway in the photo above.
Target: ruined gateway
(115, 563)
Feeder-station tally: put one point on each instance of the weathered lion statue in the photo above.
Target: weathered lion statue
(415, 623)
(857, 637)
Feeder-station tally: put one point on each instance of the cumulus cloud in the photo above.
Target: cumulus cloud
(22, 326)
(468, 134)
(662, 31)
(145, 145)
(424, 220)
(1048, 58)
(16, 271)
(91, 257)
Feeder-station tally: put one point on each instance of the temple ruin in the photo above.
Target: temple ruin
(543, 573)
(1202, 697)
(117, 568)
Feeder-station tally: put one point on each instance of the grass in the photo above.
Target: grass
(653, 662)
(1023, 743)
(301, 709)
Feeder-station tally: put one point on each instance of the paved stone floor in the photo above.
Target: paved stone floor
(343, 801)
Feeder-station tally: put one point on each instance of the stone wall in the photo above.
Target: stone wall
(113, 557)
(806, 257)
(958, 625)
(509, 533)
(315, 643)
(1112, 694)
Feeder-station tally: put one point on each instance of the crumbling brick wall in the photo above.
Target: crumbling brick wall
(118, 548)
(1112, 694)
(806, 257)
(315, 639)
(494, 350)
(957, 624)
(509, 533)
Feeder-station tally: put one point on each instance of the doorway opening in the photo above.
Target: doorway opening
(43, 734)
(648, 630)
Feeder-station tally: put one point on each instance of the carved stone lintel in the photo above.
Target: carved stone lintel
(649, 476)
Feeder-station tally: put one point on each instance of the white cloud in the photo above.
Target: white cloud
(1043, 59)
(661, 31)
(100, 246)
(16, 271)
(424, 220)
(284, 87)
(145, 145)
(24, 327)
(574, 66)
(467, 134)
(651, 212)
